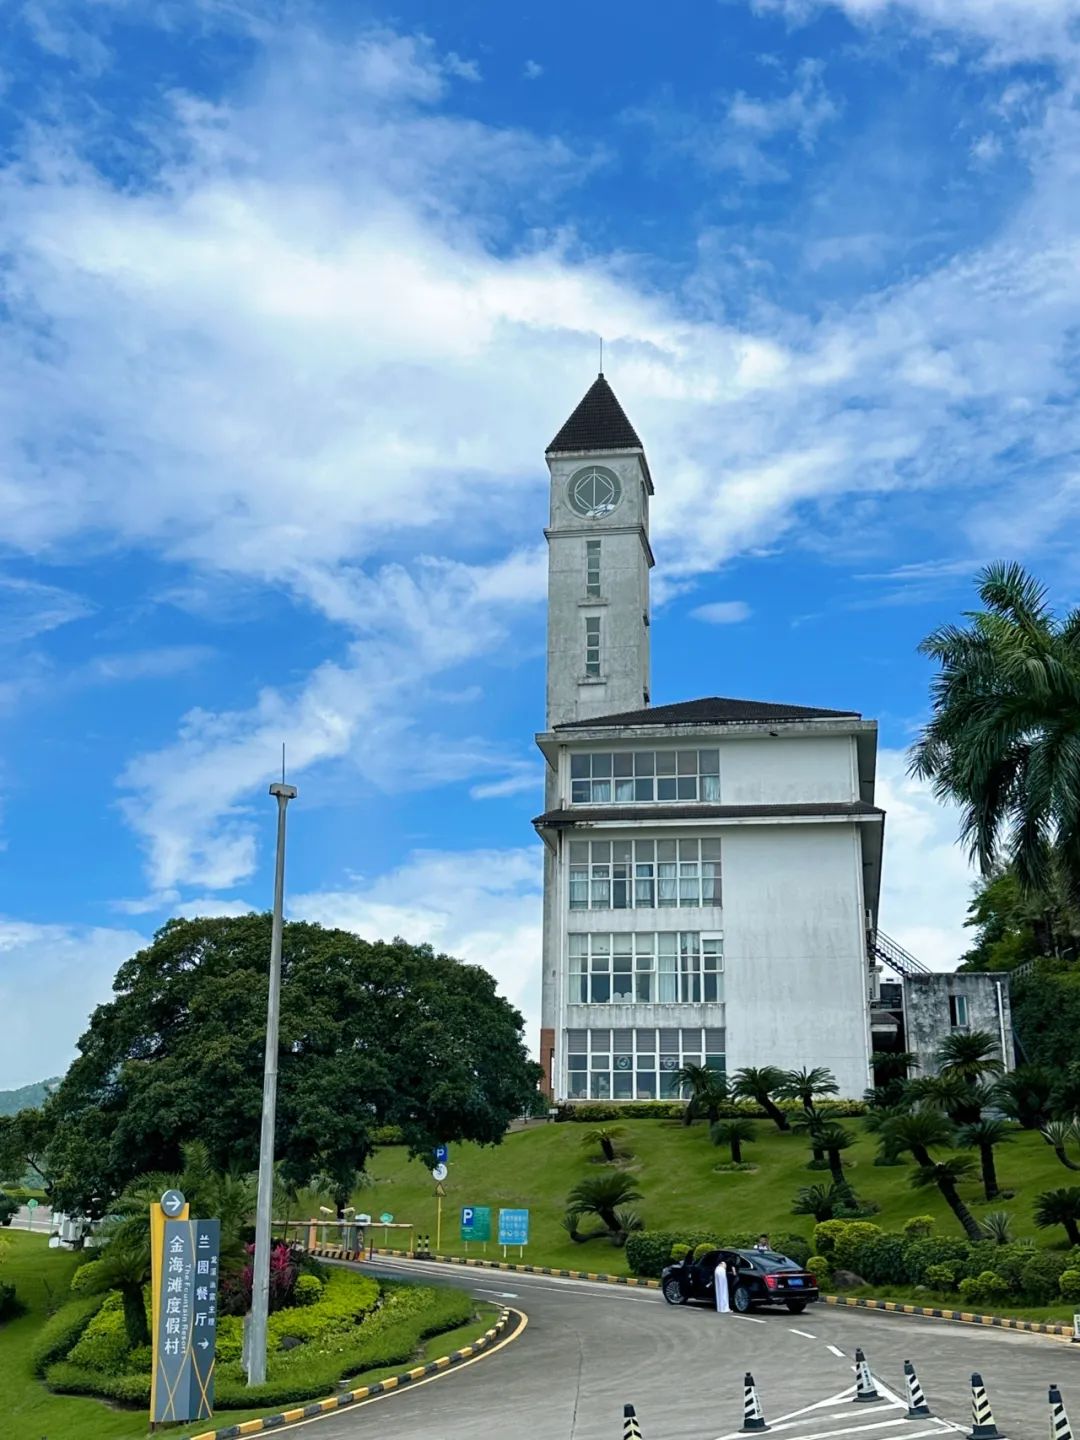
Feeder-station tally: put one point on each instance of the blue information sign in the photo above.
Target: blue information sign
(513, 1227)
(442, 1154)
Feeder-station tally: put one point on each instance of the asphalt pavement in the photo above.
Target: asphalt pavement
(587, 1349)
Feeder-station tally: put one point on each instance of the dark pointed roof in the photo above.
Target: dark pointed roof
(714, 710)
(598, 423)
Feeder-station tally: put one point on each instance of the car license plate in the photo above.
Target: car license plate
(794, 1280)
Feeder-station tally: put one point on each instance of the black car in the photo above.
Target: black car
(762, 1277)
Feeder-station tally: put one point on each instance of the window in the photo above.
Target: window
(640, 776)
(636, 1064)
(644, 874)
(669, 968)
(592, 646)
(592, 568)
(958, 1011)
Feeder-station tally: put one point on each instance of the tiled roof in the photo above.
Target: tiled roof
(598, 423)
(713, 710)
(642, 814)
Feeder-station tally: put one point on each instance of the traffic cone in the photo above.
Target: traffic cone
(917, 1406)
(982, 1417)
(753, 1415)
(631, 1430)
(1060, 1429)
(865, 1389)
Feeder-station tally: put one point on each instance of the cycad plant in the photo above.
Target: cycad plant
(1060, 1207)
(604, 1136)
(603, 1196)
(946, 1176)
(760, 1084)
(1057, 1135)
(707, 1092)
(983, 1135)
(735, 1134)
(806, 1085)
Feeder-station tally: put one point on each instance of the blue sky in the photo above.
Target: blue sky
(292, 298)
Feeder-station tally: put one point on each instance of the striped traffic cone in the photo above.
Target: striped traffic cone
(865, 1388)
(753, 1416)
(1060, 1429)
(631, 1430)
(982, 1417)
(917, 1407)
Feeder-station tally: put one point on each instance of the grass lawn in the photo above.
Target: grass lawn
(673, 1167)
(41, 1277)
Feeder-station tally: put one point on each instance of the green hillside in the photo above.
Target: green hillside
(11, 1101)
(674, 1169)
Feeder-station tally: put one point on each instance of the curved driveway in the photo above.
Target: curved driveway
(589, 1348)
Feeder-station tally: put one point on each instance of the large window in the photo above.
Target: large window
(592, 646)
(958, 1011)
(638, 1064)
(644, 874)
(642, 776)
(592, 568)
(670, 968)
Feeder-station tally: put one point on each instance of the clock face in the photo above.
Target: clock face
(594, 491)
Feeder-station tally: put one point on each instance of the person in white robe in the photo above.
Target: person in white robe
(720, 1286)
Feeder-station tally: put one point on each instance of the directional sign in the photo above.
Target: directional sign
(387, 1218)
(513, 1227)
(475, 1222)
(440, 1190)
(32, 1203)
(204, 1319)
(172, 1343)
(439, 1173)
(442, 1154)
(172, 1202)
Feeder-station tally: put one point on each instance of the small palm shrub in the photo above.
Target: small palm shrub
(997, 1226)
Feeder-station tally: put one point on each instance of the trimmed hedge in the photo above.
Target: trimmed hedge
(62, 1331)
(589, 1111)
(648, 1251)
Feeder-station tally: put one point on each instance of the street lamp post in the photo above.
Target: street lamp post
(260, 1283)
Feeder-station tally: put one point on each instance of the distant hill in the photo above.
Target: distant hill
(26, 1095)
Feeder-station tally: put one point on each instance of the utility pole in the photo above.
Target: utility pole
(260, 1283)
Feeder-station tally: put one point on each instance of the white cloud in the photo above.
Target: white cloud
(926, 878)
(479, 905)
(722, 612)
(532, 70)
(51, 978)
(29, 608)
(529, 779)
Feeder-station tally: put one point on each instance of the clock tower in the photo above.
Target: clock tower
(598, 563)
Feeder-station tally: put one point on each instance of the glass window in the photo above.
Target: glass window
(644, 874)
(641, 776)
(958, 1011)
(592, 646)
(592, 567)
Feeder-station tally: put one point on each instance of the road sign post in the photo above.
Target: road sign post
(31, 1205)
(184, 1293)
(438, 1174)
(171, 1206)
(475, 1225)
(513, 1229)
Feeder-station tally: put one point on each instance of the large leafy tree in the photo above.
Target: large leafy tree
(371, 1035)
(24, 1141)
(1004, 738)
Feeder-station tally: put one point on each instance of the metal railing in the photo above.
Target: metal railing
(899, 960)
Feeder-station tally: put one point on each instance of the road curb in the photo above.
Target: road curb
(364, 1392)
(891, 1307)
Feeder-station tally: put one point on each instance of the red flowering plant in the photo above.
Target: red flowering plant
(234, 1292)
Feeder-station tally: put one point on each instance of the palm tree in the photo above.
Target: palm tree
(602, 1196)
(891, 1066)
(760, 1083)
(734, 1133)
(915, 1132)
(1004, 738)
(969, 1055)
(809, 1124)
(604, 1136)
(708, 1091)
(1026, 1095)
(877, 1122)
(983, 1135)
(946, 1174)
(804, 1085)
(962, 1102)
(1060, 1207)
(1057, 1135)
(833, 1139)
(821, 1201)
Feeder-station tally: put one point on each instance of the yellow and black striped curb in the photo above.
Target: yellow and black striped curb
(365, 1392)
(964, 1317)
(893, 1307)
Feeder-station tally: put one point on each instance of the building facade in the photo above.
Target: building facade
(712, 867)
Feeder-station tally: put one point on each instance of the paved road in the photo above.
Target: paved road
(587, 1349)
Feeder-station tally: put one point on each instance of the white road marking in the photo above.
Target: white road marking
(804, 1333)
(753, 1319)
(502, 1294)
(835, 1351)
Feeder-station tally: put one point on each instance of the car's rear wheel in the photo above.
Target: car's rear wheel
(796, 1306)
(741, 1299)
(673, 1292)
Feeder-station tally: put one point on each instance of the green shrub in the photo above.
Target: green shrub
(62, 1330)
(309, 1289)
(10, 1304)
(1040, 1275)
(983, 1289)
(847, 1242)
(388, 1135)
(879, 1259)
(346, 1299)
(68, 1379)
(8, 1207)
(85, 1276)
(819, 1266)
(103, 1346)
(940, 1277)
(678, 1252)
(589, 1111)
(700, 1251)
(825, 1234)
(1069, 1285)
(919, 1227)
(648, 1251)
(1008, 1261)
(937, 1250)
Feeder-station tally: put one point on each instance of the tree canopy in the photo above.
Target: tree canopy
(372, 1034)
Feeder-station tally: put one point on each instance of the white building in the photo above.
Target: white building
(712, 867)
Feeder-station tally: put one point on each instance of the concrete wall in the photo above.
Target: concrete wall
(928, 1018)
(795, 951)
